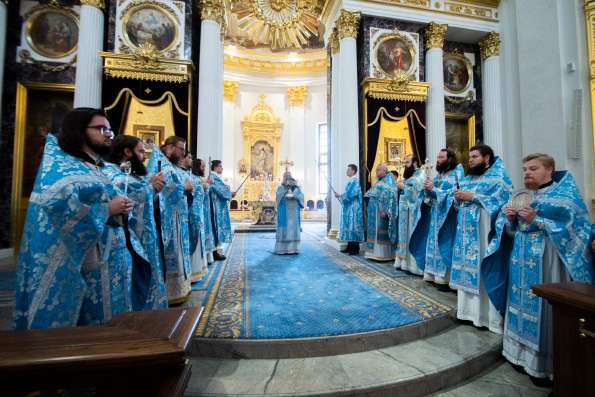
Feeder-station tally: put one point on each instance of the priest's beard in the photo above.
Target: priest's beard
(478, 170)
(174, 158)
(445, 167)
(101, 149)
(409, 171)
(138, 168)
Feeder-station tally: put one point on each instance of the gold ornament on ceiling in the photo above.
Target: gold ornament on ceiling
(280, 24)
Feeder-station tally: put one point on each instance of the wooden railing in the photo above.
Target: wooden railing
(137, 353)
(574, 336)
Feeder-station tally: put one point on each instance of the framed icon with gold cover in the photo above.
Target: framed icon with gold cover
(394, 53)
(458, 73)
(150, 135)
(52, 32)
(150, 22)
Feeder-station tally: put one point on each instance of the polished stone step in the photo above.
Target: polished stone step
(500, 380)
(416, 368)
(321, 346)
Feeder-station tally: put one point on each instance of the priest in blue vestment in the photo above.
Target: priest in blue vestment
(173, 213)
(439, 197)
(208, 224)
(73, 266)
(198, 253)
(351, 228)
(410, 200)
(478, 273)
(551, 244)
(290, 200)
(221, 195)
(381, 215)
(128, 172)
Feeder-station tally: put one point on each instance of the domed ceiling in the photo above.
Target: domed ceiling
(277, 24)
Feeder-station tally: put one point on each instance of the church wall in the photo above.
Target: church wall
(543, 41)
(16, 72)
(298, 145)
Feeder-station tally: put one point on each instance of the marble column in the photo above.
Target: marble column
(347, 26)
(87, 90)
(296, 99)
(3, 11)
(492, 102)
(209, 134)
(230, 92)
(436, 119)
(335, 150)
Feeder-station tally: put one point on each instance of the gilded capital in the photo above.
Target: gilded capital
(296, 96)
(212, 10)
(347, 24)
(333, 41)
(230, 90)
(490, 45)
(99, 4)
(435, 35)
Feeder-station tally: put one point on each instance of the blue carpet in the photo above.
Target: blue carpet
(319, 292)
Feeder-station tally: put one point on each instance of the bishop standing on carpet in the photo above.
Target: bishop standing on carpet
(290, 200)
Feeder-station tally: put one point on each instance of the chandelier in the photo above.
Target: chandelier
(278, 23)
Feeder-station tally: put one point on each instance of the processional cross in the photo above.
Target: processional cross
(287, 164)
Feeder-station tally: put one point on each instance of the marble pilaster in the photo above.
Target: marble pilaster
(492, 105)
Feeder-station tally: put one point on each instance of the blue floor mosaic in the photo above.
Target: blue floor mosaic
(259, 295)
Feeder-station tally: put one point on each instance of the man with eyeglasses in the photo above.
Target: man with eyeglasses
(74, 267)
(173, 212)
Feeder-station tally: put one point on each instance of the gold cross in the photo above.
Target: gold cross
(148, 90)
(287, 164)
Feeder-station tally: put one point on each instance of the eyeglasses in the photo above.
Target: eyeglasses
(107, 131)
(182, 148)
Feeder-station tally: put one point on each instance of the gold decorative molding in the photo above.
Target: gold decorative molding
(25, 57)
(99, 4)
(230, 90)
(347, 24)
(590, 25)
(486, 10)
(212, 10)
(146, 64)
(275, 67)
(396, 89)
(435, 35)
(333, 42)
(490, 45)
(296, 96)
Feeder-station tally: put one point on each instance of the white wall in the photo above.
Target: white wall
(299, 141)
(539, 40)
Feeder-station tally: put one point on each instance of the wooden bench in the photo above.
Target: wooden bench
(137, 353)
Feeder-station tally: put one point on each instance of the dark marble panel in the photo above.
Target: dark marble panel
(110, 30)
(475, 107)
(190, 13)
(16, 72)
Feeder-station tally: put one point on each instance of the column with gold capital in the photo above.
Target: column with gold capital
(436, 121)
(347, 25)
(335, 149)
(492, 101)
(296, 99)
(3, 11)
(87, 90)
(209, 137)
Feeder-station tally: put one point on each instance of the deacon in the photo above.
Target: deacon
(73, 267)
(221, 195)
(380, 197)
(478, 274)
(209, 237)
(551, 244)
(290, 200)
(409, 214)
(351, 228)
(439, 196)
(197, 224)
(129, 173)
(173, 211)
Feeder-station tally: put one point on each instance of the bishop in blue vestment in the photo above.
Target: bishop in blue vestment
(551, 244)
(478, 274)
(73, 266)
(351, 227)
(290, 200)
